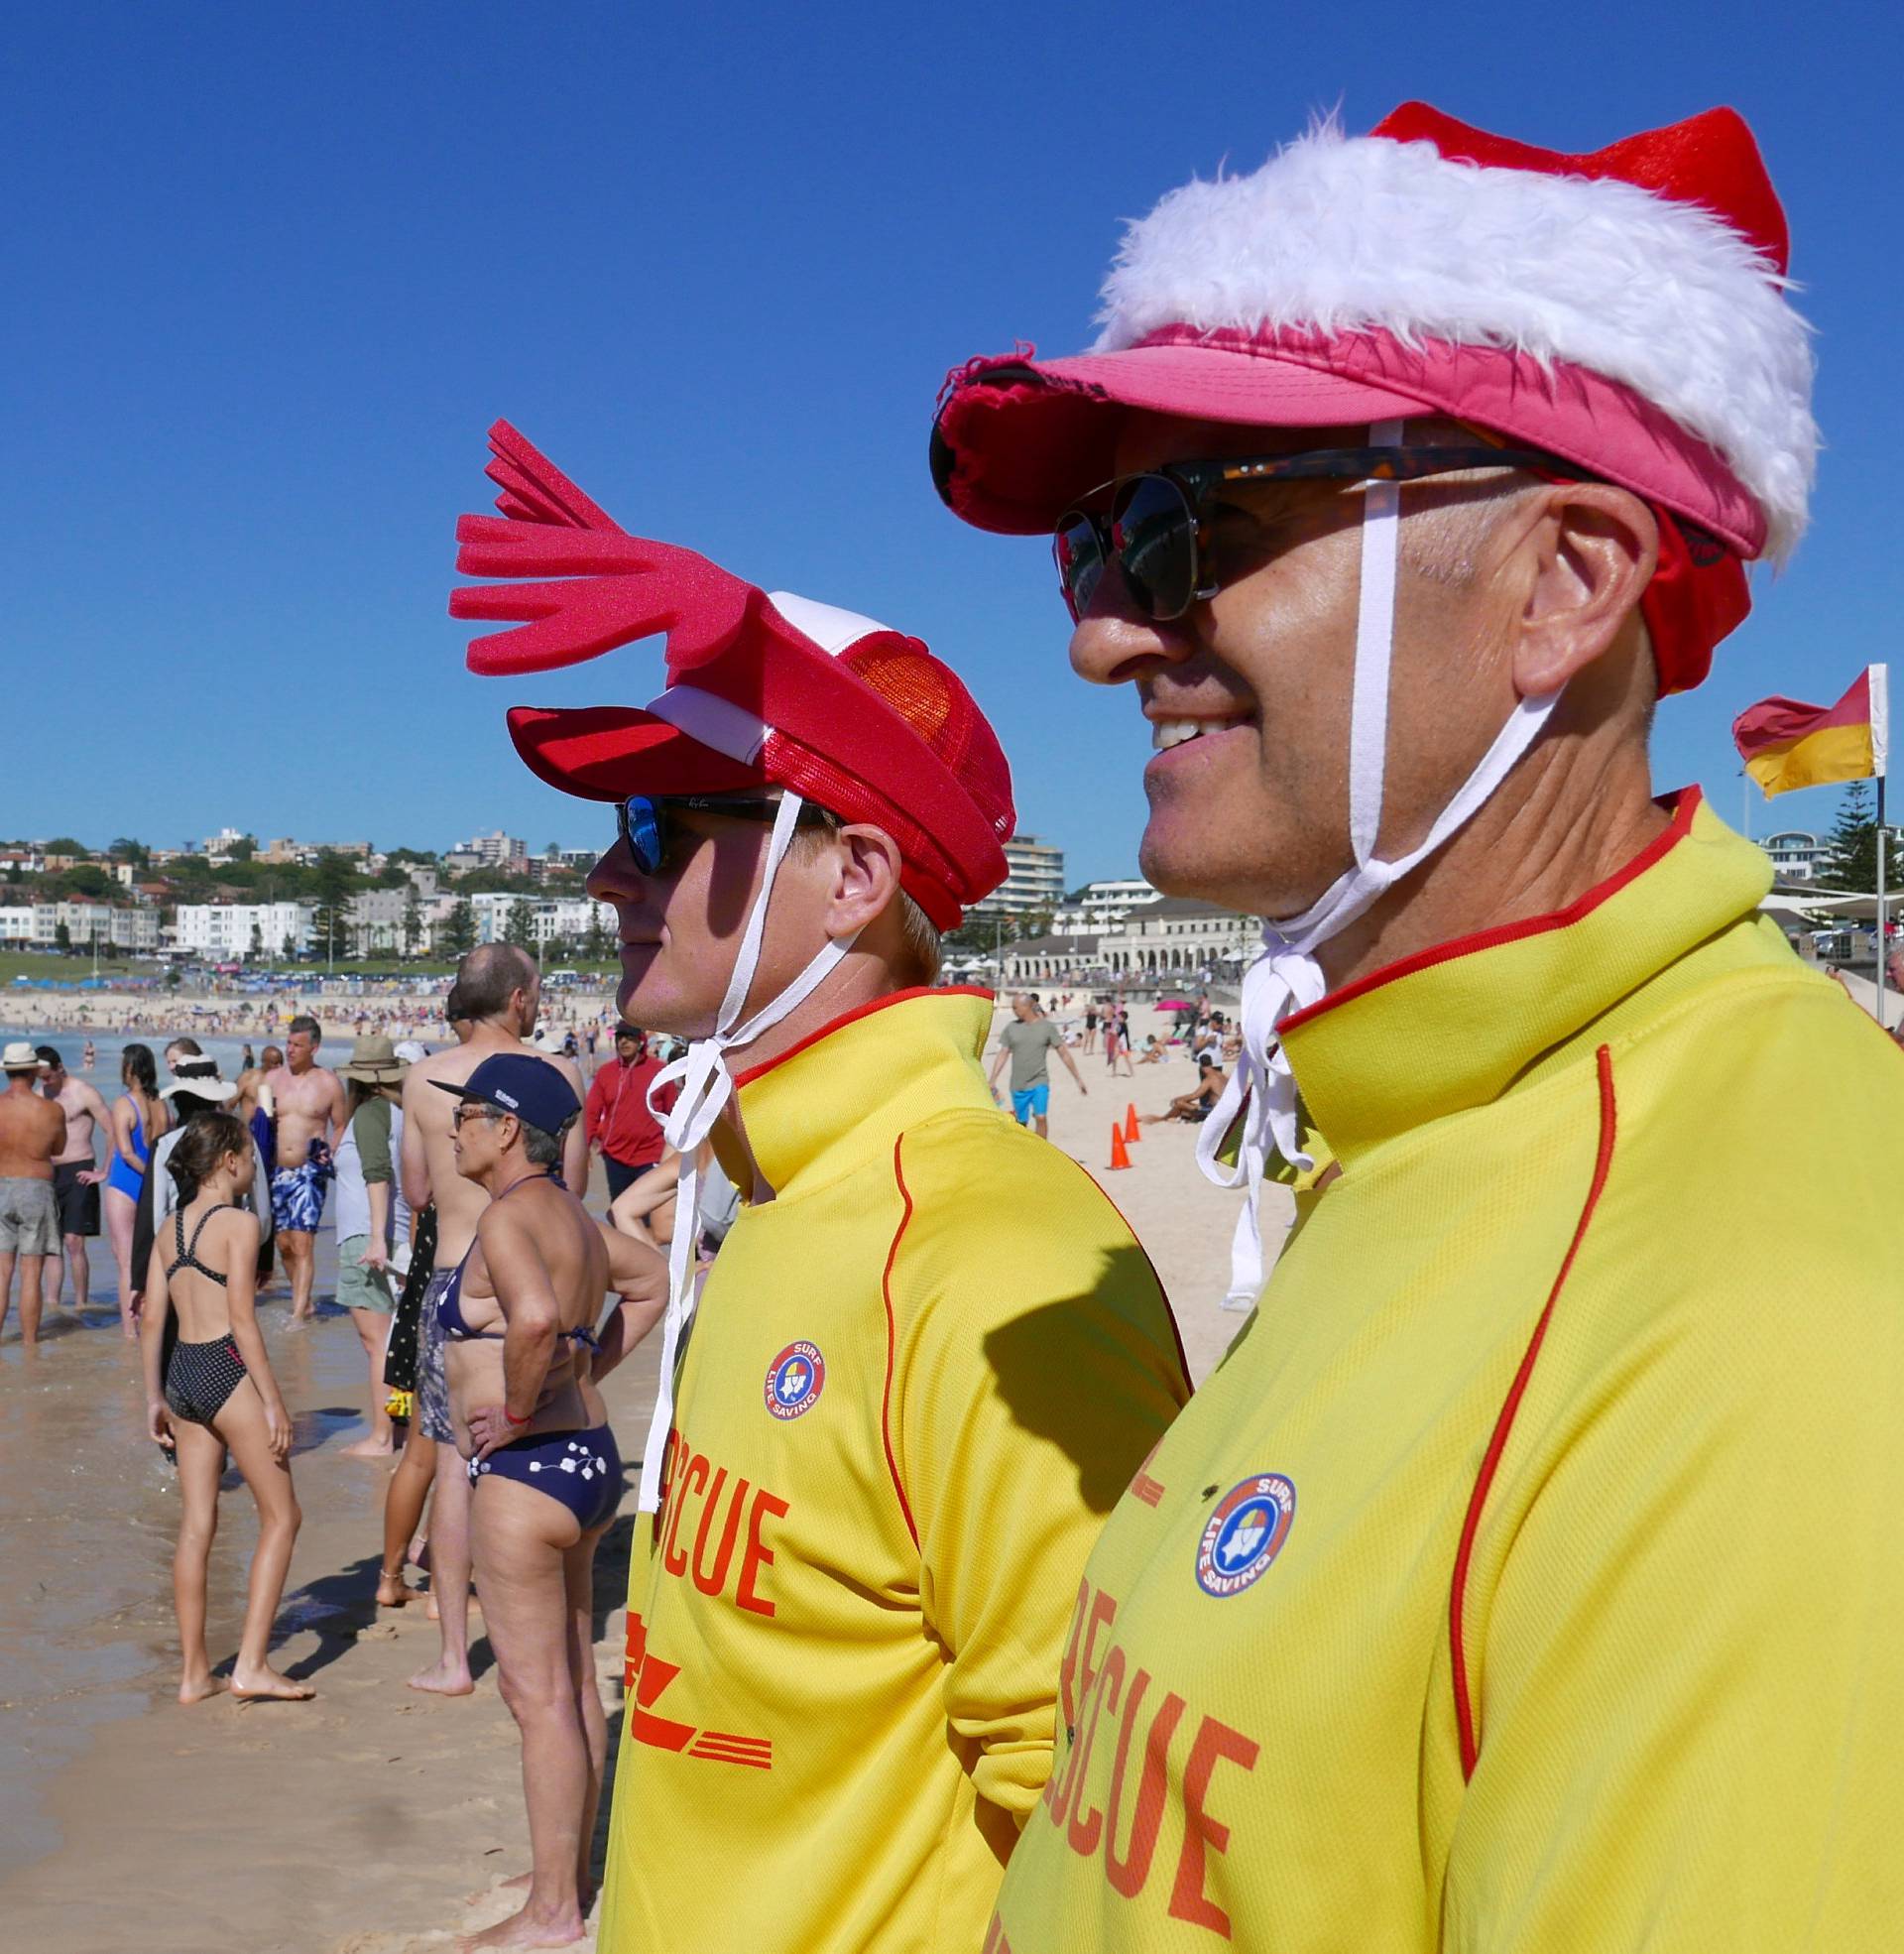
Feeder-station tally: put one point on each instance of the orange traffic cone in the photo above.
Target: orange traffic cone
(1119, 1157)
(1130, 1131)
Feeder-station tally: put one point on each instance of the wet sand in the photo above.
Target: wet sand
(375, 1820)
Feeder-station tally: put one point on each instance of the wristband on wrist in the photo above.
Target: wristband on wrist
(514, 1419)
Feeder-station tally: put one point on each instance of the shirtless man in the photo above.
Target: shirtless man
(75, 1175)
(310, 1106)
(32, 1132)
(520, 1311)
(500, 988)
(1197, 1103)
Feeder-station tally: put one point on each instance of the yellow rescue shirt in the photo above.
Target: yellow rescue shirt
(918, 1380)
(1529, 1579)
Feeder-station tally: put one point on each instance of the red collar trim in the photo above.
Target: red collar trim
(1686, 804)
(863, 1011)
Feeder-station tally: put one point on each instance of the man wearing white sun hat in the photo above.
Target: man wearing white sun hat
(1525, 1577)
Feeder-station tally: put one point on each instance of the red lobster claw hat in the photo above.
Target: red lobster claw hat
(1623, 310)
(761, 691)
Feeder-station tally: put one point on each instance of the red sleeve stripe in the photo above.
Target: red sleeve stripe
(1503, 1424)
(886, 1293)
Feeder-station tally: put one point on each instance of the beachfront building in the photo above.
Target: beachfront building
(1178, 933)
(37, 927)
(562, 862)
(1173, 938)
(552, 919)
(1796, 854)
(1050, 959)
(497, 850)
(1100, 906)
(1034, 884)
(399, 922)
(226, 932)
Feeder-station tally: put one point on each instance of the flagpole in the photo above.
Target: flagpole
(1880, 692)
(1880, 902)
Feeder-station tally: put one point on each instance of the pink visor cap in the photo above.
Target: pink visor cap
(1622, 310)
(761, 691)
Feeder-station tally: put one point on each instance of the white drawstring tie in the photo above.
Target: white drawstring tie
(705, 1086)
(1286, 978)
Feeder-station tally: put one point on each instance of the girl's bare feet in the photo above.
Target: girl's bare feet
(391, 1593)
(266, 1685)
(194, 1690)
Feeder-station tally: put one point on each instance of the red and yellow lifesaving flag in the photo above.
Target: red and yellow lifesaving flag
(1786, 744)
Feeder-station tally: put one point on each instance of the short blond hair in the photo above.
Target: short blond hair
(919, 937)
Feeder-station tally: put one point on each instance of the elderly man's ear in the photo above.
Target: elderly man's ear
(1580, 554)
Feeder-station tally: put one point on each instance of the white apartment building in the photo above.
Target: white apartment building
(1034, 879)
(227, 931)
(35, 925)
(1795, 854)
(552, 919)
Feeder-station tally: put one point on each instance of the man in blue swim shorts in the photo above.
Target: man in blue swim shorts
(311, 1114)
(1026, 1040)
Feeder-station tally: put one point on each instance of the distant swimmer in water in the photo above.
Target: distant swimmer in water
(212, 1389)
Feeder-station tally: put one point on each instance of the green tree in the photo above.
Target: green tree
(595, 943)
(63, 939)
(520, 928)
(244, 848)
(459, 933)
(127, 849)
(332, 927)
(1850, 850)
(413, 920)
(257, 938)
(63, 844)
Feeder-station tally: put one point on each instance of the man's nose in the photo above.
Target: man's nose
(615, 877)
(1115, 643)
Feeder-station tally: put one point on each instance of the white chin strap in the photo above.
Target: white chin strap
(705, 1087)
(1285, 977)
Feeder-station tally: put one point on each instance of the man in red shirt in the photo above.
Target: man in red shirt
(621, 1127)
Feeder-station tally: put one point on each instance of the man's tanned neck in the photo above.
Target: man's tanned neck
(1573, 813)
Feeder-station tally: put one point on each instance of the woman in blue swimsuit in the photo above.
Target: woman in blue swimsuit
(139, 1117)
(211, 1389)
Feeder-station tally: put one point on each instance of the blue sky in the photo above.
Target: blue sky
(271, 272)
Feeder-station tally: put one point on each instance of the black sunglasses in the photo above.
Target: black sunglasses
(642, 820)
(1153, 525)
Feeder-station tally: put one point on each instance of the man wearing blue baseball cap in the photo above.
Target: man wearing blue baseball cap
(522, 1357)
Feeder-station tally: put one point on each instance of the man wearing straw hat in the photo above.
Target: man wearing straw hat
(371, 1217)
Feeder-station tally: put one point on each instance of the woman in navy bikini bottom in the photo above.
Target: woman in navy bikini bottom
(580, 1469)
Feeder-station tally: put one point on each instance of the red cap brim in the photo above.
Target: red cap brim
(1012, 452)
(1017, 442)
(608, 752)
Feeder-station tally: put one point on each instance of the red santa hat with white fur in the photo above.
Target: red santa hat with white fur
(1623, 310)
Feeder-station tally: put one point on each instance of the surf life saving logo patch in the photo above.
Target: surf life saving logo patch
(794, 1380)
(1244, 1534)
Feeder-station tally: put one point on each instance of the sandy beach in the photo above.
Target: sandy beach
(374, 1820)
